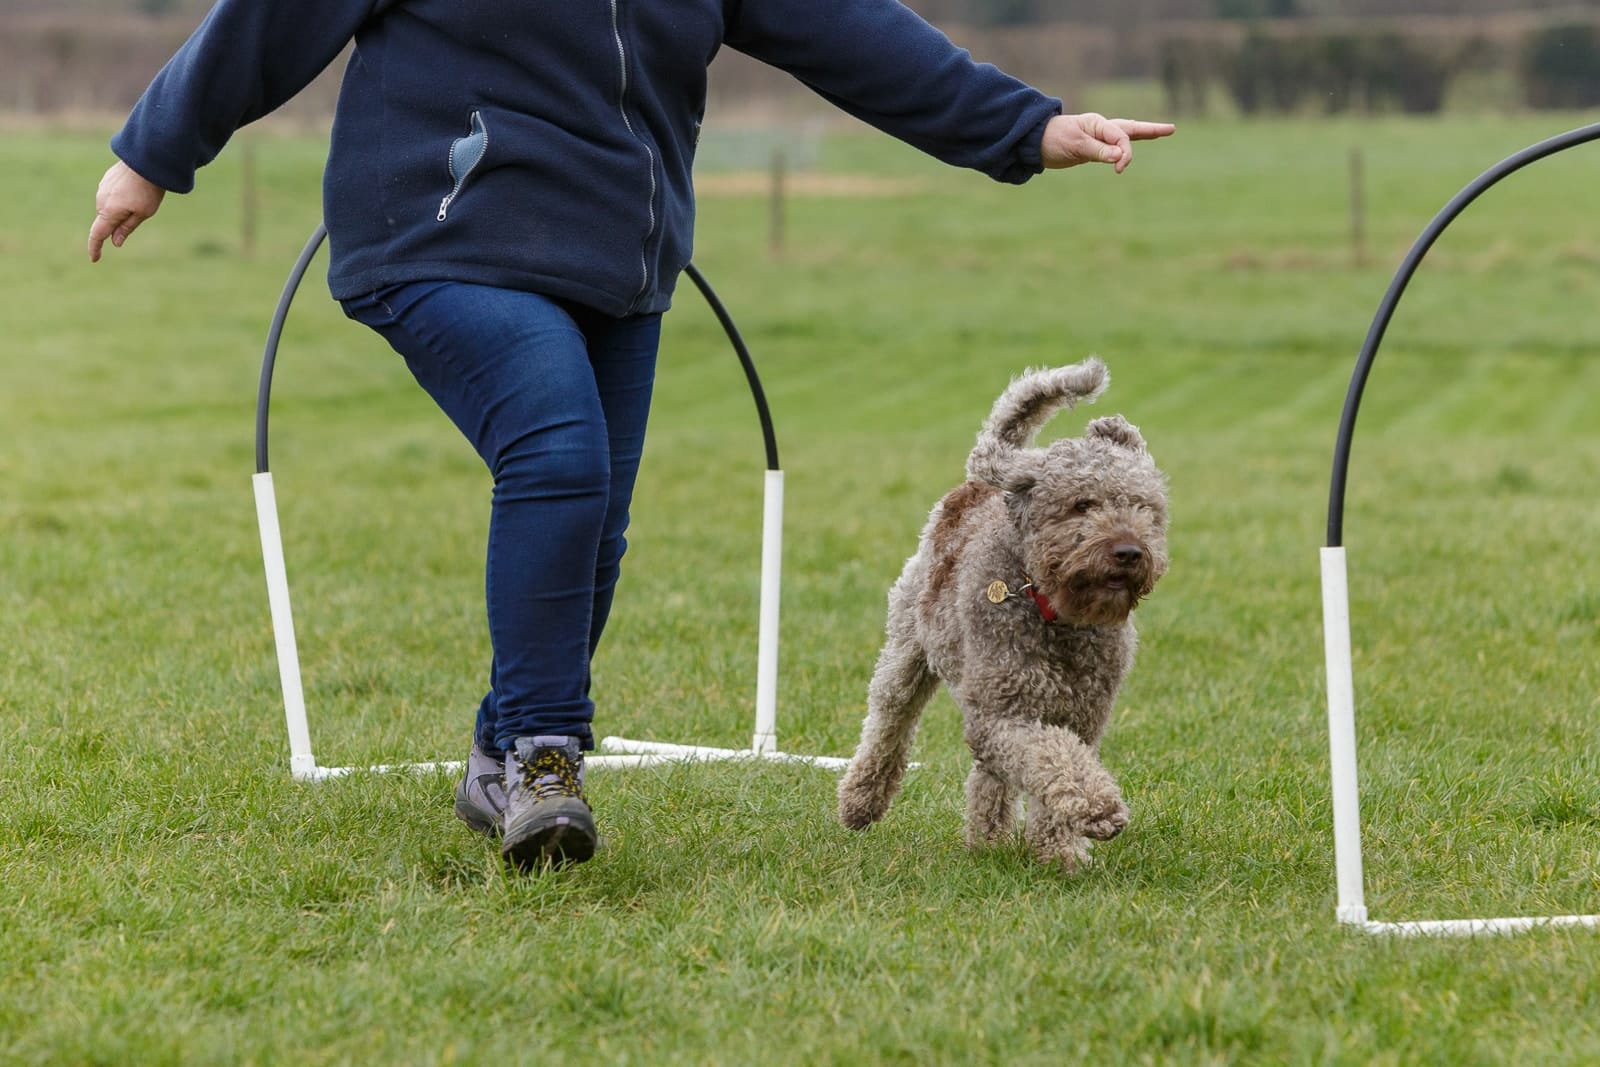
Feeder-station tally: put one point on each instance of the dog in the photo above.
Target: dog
(1020, 599)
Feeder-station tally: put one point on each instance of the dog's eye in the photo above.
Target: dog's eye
(1083, 507)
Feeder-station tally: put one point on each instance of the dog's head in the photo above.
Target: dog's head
(1090, 514)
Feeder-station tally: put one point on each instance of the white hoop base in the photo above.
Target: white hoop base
(1475, 927)
(1352, 908)
(624, 753)
(310, 772)
(649, 753)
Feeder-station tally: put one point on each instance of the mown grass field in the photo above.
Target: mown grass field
(171, 896)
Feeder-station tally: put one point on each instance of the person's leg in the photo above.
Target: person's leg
(546, 817)
(512, 371)
(623, 355)
(549, 406)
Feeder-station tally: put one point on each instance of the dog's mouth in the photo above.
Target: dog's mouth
(1118, 594)
(1100, 599)
(1130, 581)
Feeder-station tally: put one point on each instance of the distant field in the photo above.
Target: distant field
(171, 896)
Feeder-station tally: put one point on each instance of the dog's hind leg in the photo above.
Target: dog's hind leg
(901, 685)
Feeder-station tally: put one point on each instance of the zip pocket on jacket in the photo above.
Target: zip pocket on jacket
(465, 154)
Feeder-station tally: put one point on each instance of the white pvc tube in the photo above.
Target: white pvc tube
(1342, 737)
(322, 774)
(622, 752)
(1352, 909)
(302, 764)
(827, 763)
(613, 761)
(1478, 927)
(663, 748)
(766, 735)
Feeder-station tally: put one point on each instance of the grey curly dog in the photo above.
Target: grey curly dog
(1020, 599)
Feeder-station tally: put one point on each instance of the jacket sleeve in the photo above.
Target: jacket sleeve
(247, 58)
(881, 62)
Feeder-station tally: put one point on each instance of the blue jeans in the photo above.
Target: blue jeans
(554, 397)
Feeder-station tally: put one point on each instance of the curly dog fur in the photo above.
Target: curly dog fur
(1077, 534)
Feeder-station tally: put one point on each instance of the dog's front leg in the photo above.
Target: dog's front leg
(1072, 797)
(991, 807)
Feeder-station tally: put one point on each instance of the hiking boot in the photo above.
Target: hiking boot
(481, 793)
(547, 819)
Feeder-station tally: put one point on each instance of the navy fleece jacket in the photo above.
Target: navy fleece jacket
(548, 146)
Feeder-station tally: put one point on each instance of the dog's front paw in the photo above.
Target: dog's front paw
(1106, 824)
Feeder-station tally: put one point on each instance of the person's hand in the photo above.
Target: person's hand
(1091, 138)
(123, 201)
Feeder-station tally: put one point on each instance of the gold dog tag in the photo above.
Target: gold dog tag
(997, 592)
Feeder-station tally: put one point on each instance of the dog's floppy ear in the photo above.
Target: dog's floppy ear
(1117, 430)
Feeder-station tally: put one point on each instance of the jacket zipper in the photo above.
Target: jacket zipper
(622, 106)
(476, 145)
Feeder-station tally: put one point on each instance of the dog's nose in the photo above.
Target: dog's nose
(1127, 555)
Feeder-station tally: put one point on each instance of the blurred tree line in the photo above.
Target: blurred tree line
(1338, 66)
(1261, 56)
(1014, 12)
(1144, 12)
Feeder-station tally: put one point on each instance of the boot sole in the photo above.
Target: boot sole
(556, 838)
(472, 815)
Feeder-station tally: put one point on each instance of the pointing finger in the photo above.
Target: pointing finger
(102, 228)
(114, 227)
(1145, 131)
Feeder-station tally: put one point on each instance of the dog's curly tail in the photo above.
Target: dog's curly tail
(1024, 408)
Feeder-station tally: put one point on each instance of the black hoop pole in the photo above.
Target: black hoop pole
(1397, 286)
(768, 437)
(269, 358)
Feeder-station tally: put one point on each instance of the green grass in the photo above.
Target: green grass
(172, 896)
